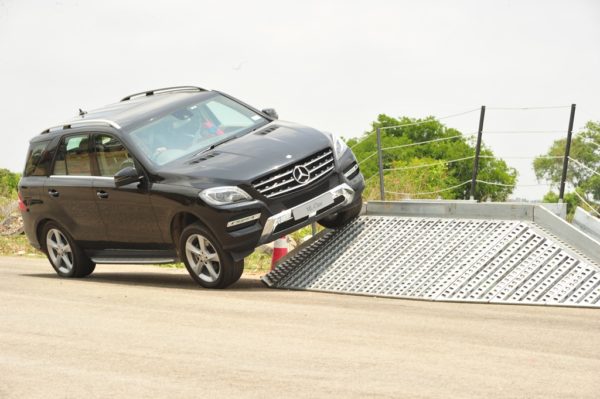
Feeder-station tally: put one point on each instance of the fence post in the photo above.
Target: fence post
(563, 179)
(380, 162)
(477, 151)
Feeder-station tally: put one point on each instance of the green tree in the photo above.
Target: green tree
(9, 182)
(453, 146)
(582, 174)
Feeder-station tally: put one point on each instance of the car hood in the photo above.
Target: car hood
(251, 156)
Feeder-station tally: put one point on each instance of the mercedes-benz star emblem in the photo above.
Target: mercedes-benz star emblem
(301, 174)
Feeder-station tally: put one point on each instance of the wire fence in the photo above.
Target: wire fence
(433, 192)
(421, 143)
(517, 132)
(429, 165)
(543, 107)
(385, 170)
(590, 207)
(422, 122)
(581, 164)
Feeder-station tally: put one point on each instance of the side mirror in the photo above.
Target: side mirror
(271, 113)
(126, 176)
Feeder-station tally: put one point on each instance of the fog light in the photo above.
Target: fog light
(349, 172)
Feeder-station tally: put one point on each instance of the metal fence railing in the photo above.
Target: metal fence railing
(381, 169)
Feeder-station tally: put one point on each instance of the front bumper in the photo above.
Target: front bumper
(342, 195)
(244, 226)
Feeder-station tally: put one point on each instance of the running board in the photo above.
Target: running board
(134, 261)
(133, 256)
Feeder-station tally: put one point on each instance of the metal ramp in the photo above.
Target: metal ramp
(500, 253)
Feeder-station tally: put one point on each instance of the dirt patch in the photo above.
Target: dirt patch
(12, 225)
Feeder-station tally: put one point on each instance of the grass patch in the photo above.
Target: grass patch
(17, 246)
(255, 263)
(300, 234)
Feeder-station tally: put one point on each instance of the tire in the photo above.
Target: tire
(65, 256)
(342, 218)
(206, 262)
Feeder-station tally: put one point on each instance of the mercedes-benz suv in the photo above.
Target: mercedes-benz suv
(180, 173)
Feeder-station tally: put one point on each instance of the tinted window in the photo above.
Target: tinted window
(38, 159)
(111, 154)
(73, 157)
(229, 116)
(194, 127)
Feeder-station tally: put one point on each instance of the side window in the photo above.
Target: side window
(111, 154)
(38, 159)
(73, 157)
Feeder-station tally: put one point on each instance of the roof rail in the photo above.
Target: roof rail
(89, 122)
(163, 90)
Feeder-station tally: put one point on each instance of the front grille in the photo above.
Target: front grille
(283, 181)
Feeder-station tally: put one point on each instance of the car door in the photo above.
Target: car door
(71, 200)
(127, 212)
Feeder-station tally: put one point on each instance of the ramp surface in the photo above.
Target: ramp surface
(443, 259)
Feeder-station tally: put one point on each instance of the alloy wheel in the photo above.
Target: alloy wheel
(203, 258)
(60, 251)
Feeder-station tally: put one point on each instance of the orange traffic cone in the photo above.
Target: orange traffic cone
(280, 249)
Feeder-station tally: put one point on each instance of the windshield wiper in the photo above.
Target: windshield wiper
(235, 136)
(215, 145)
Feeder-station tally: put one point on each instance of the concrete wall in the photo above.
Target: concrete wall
(568, 232)
(559, 209)
(586, 222)
(453, 209)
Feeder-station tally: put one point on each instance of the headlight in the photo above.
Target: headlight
(339, 146)
(224, 195)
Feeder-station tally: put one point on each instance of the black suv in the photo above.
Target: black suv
(180, 173)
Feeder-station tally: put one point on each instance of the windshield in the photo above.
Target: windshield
(194, 127)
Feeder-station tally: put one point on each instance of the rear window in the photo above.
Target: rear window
(38, 159)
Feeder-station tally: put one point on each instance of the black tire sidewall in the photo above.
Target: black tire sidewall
(342, 218)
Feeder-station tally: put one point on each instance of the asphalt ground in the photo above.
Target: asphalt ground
(143, 331)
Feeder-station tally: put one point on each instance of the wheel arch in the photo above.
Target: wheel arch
(38, 231)
(180, 221)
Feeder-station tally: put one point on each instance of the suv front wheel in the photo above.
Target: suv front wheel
(205, 260)
(67, 259)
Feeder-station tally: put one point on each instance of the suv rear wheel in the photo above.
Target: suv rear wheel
(67, 259)
(205, 260)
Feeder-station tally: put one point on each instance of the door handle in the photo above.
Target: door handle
(102, 194)
(53, 193)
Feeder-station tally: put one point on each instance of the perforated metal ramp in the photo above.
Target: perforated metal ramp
(444, 259)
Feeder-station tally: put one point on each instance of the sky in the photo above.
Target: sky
(333, 65)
